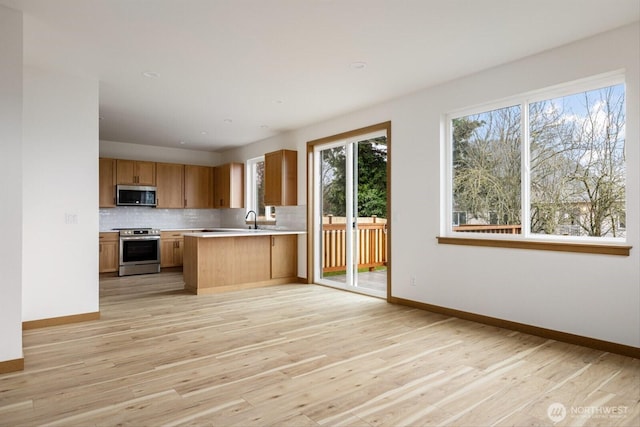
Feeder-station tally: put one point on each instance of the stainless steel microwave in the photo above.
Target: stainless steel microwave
(136, 195)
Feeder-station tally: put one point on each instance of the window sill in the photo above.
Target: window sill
(588, 248)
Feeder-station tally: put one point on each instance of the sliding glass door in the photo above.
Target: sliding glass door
(350, 213)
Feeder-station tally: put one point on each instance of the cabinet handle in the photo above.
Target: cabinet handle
(273, 241)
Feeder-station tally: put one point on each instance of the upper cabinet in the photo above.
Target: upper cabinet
(281, 178)
(134, 172)
(228, 190)
(170, 185)
(107, 186)
(198, 187)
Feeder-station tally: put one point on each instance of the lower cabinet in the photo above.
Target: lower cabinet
(109, 252)
(219, 264)
(284, 256)
(171, 248)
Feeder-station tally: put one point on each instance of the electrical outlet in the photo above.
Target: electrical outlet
(70, 218)
(412, 280)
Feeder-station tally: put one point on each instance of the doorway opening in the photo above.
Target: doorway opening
(350, 202)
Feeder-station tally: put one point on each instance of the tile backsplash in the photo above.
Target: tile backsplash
(131, 216)
(287, 217)
(291, 217)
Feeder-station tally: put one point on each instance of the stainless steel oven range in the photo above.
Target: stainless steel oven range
(139, 251)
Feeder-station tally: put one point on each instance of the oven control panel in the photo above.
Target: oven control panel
(140, 232)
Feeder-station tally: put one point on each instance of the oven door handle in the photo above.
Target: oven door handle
(140, 238)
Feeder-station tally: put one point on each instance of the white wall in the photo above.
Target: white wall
(125, 150)
(596, 296)
(60, 219)
(10, 184)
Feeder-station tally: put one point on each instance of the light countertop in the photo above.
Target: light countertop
(239, 232)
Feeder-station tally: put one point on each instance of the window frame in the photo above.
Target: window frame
(251, 201)
(526, 240)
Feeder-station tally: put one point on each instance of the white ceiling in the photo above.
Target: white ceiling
(231, 72)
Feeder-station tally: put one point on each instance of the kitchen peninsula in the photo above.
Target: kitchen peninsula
(230, 259)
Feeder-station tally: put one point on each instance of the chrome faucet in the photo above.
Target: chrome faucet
(255, 219)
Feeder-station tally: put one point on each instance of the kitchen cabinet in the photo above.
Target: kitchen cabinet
(170, 185)
(284, 256)
(109, 257)
(198, 187)
(171, 248)
(107, 183)
(228, 189)
(133, 172)
(216, 262)
(281, 178)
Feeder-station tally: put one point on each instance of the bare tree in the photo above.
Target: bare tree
(578, 164)
(599, 174)
(486, 173)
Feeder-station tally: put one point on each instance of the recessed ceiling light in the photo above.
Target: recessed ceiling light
(151, 74)
(204, 132)
(182, 142)
(359, 65)
(228, 120)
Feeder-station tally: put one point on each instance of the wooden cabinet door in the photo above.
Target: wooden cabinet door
(166, 252)
(284, 256)
(107, 186)
(126, 172)
(198, 187)
(281, 178)
(228, 183)
(146, 173)
(178, 252)
(236, 185)
(171, 253)
(109, 257)
(170, 185)
(132, 172)
(221, 186)
(171, 248)
(273, 179)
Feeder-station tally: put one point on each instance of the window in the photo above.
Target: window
(255, 190)
(546, 166)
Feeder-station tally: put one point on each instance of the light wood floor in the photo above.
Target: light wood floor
(301, 355)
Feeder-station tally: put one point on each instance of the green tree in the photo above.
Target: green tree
(372, 179)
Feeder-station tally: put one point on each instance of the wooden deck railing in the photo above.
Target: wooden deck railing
(493, 229)
(371, 240)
